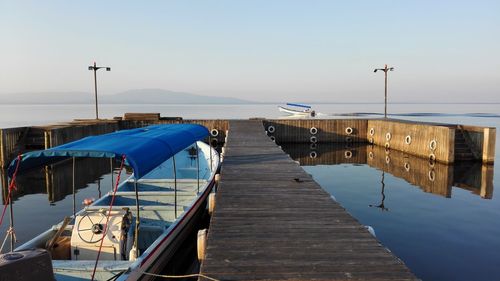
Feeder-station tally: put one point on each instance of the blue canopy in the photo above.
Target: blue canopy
(144, 148)
(298, 105)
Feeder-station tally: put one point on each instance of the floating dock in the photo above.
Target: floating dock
(272, 221)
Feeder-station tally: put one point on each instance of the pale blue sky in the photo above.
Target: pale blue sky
(259, 50)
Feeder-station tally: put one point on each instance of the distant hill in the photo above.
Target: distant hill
(144, 96)
(139, 96)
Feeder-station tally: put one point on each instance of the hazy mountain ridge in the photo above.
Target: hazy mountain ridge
(137, 96)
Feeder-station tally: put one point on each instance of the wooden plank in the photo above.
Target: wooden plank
(272, 221)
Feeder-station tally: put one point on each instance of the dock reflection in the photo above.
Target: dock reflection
(57, 180)
(433, 177)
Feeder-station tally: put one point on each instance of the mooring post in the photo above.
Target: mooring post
(198, 166)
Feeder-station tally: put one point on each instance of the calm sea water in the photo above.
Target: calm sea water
(445, 230)
(25, 115)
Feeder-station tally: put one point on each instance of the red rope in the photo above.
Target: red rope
(12, 186)
(107, 217)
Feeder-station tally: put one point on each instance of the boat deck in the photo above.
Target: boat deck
(272, 221)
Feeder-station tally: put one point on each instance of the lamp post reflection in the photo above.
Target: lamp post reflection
(381, 205)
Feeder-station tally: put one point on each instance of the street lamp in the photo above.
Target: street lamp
(95, 68)
(385, 69)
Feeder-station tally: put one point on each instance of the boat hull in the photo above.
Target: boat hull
(161, 255)
(294, 112)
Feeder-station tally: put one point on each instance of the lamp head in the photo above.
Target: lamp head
(391, 69)
(375, 70)
(108, 68)
(91, 68)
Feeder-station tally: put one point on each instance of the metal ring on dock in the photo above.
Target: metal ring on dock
(271, 129)
(348, 154)
(370, 155)
(273, 138)
(348, 139)
(433, 145)
(370, 140)
(214, 132)
(407, 166)
(313, 146)
(313, 139)
(432, 157)
(313, 154)
(388, 136)
(387, 159)
(372, 131)
(349, 130)
(214, 142)
(313, 130)
(432, 175)
(408, 139)
(387, 145)
(432, 163)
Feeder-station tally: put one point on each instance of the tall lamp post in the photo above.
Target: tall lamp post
(385, 69)
(95, 68)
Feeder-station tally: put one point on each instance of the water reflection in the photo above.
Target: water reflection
(381, 206)
(433, 177)
(58, 180)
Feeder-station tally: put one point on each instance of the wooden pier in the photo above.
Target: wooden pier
(272, 221)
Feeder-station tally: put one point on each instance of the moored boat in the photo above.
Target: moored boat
(131, 232)
(304, 111)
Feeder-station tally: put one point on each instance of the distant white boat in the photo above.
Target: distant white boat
(305, 110)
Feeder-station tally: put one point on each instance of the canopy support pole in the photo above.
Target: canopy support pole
(198, 165)
(99, 188)
(74, 188)
(111, 168)
(137, 219)
(11, 227)
(210, 144)
(175, 187)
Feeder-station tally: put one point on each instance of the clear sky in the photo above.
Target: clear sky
(259, 50)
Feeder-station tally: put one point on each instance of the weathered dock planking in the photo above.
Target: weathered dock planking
(272, 221)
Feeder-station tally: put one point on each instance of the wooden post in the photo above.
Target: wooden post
(451, 147)
(486, 181)
(5, 185)
(489, 139)
(46, 137)
(2, 149)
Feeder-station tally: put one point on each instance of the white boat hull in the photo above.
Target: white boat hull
(295, 112)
